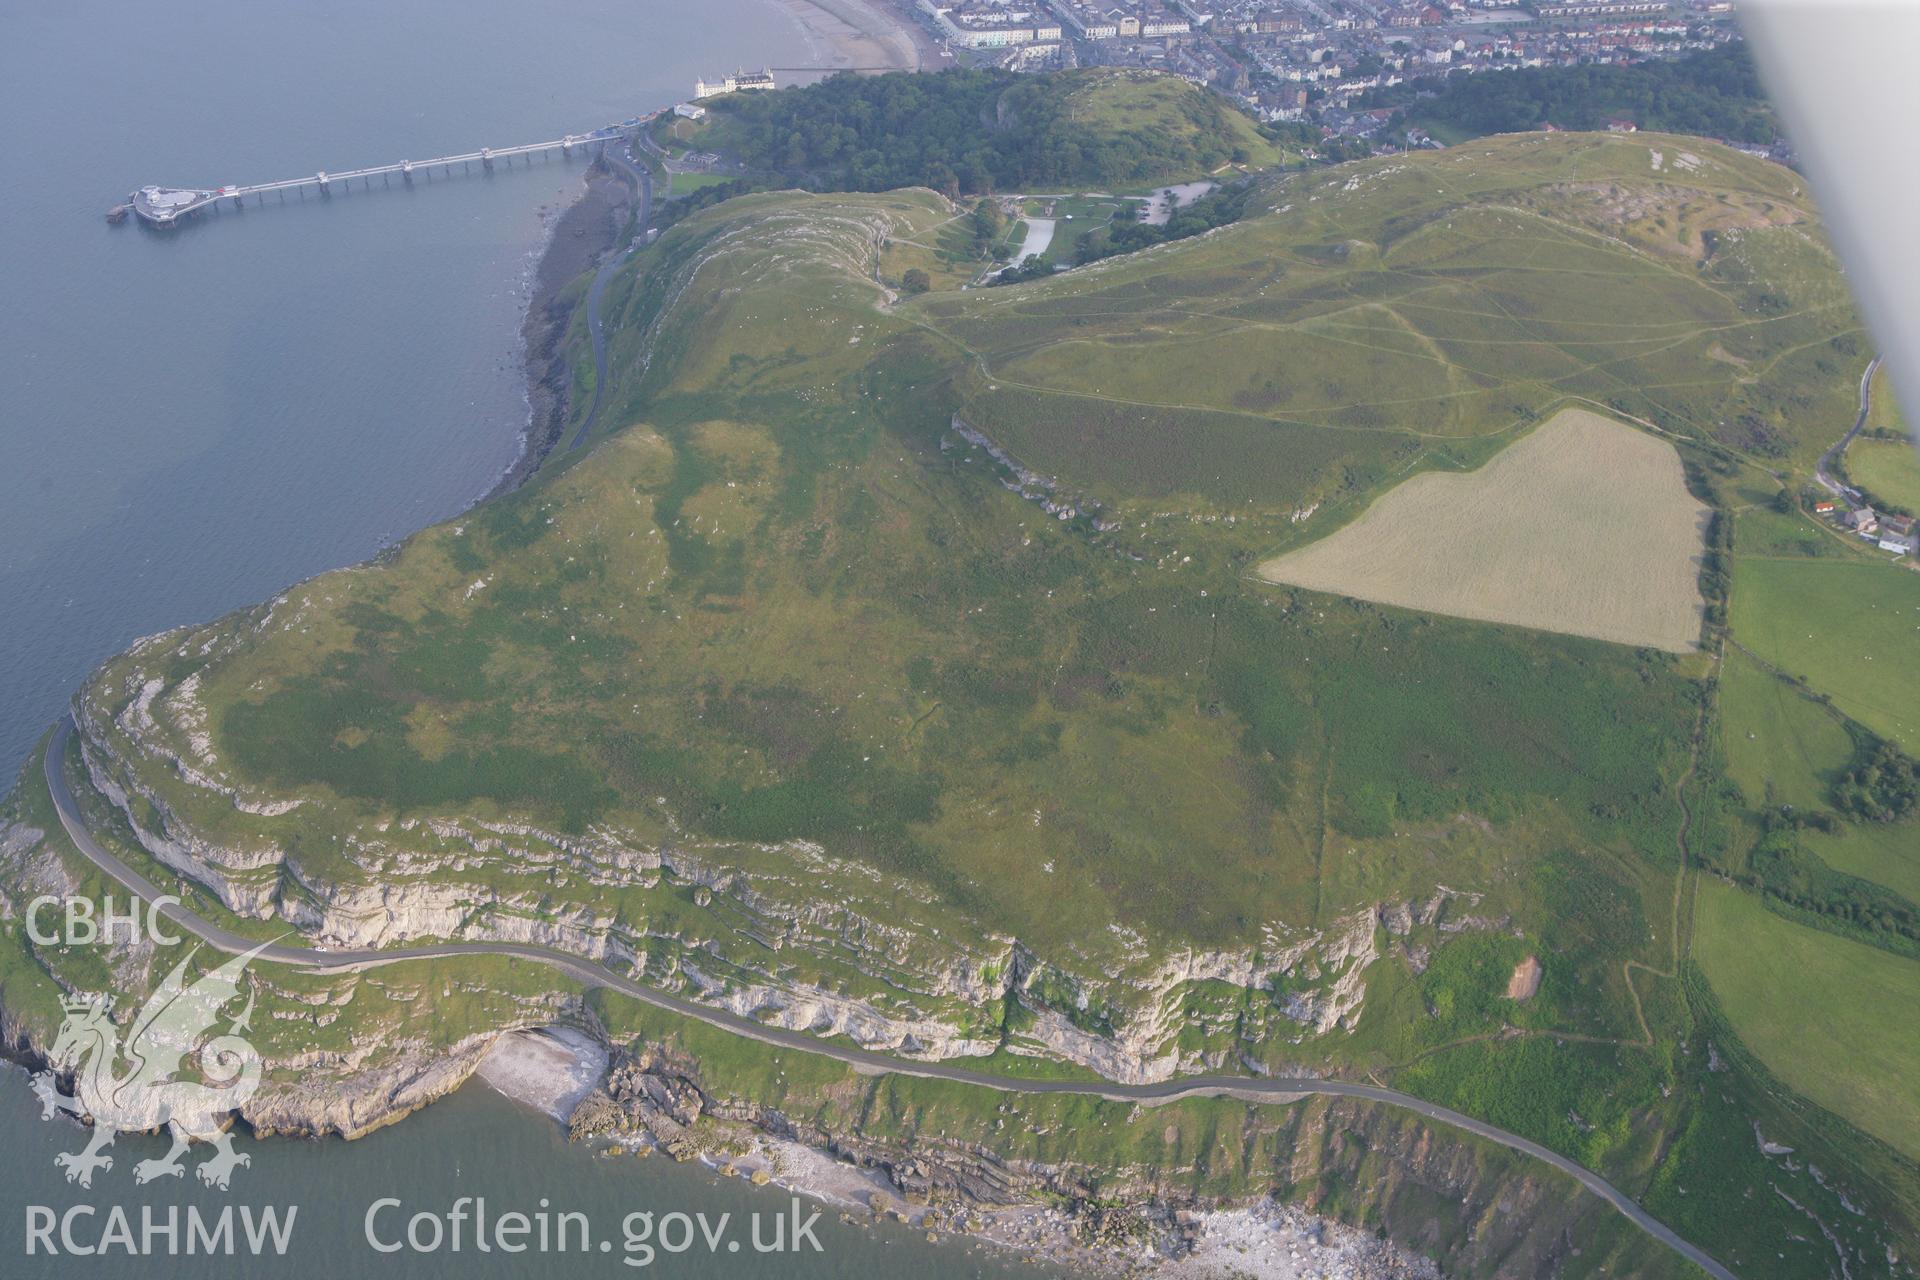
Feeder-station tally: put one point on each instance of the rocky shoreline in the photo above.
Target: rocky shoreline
(583, 234)
(648, 1100)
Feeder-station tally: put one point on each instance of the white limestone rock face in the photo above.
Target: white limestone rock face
(771, 928)
(319, 1105)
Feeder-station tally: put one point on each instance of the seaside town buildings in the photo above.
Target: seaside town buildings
(1310, 60)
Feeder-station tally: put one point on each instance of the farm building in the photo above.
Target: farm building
(1823, 508)
(1862, 521)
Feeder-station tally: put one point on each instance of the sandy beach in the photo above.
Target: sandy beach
(549, 1068)
(865, 35)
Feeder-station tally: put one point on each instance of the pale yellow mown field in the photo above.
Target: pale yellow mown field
(1584, 526)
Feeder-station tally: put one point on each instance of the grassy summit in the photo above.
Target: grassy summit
(906, 652)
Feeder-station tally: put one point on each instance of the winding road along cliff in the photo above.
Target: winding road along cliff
(1272, 1089)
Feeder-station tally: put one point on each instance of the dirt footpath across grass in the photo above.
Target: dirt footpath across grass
(1584, 527)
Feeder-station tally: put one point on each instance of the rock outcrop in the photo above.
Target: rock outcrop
(354, 1105)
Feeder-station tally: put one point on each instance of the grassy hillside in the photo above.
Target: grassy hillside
(793, 604)
(1404, 311)
(901, 655)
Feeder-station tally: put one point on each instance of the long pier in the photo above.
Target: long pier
(167, 206)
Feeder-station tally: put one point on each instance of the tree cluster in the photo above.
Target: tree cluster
(1882, 786)
(1215, 209)
(965, 131)
(1715, 93)
(1818, 895)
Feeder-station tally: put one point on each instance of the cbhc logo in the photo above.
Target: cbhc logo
(84, 926)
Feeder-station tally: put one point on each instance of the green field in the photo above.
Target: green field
(1129, 690)
(1823, 1014)
(1790, 741)
(1760, 532)
(1887, 854)
(687, 183)
(1782, 747)
(1888, 470)
(1074, 217)
(1848, 628)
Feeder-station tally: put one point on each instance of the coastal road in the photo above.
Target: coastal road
(1820, 473)
(1265, 1089)
(637, 177)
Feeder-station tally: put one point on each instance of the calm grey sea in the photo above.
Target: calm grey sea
(473, 1144)
(190, 422)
